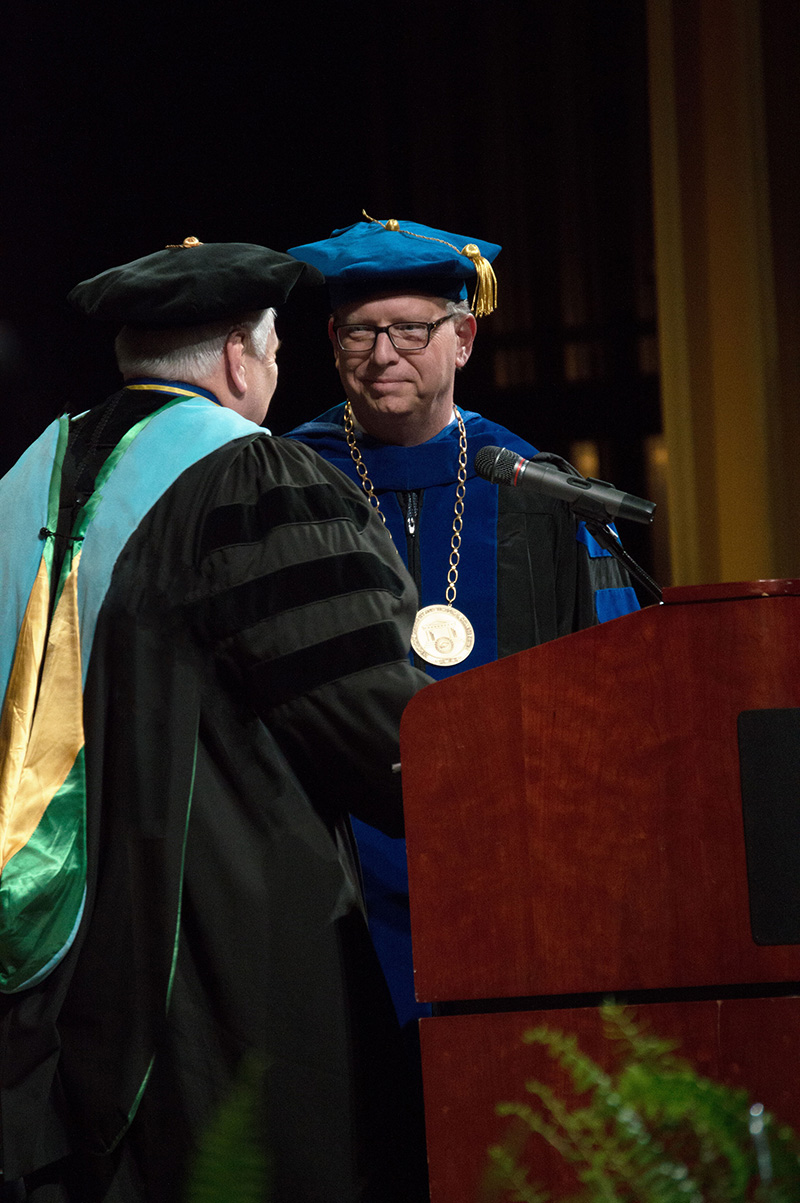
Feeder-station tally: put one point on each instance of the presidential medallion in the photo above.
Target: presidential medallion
(442, 635)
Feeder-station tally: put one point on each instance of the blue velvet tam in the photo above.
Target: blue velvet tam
(392, 256)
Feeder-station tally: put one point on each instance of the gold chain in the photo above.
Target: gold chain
(458, 517)
(361, 467)
(461, 484)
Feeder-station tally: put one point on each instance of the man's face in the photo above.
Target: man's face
(402, 396)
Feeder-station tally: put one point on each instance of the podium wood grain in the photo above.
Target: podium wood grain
(573, 812)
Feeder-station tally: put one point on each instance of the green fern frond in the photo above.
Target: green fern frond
(231, 1161)
(514, 1178)
(538, 1125)
(563, 1047)
(654, 1132)
(634, 1041)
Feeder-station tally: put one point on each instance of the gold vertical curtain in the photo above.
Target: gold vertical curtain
(728, 414)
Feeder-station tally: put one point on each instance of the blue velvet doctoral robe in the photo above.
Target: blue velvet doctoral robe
(528, 572)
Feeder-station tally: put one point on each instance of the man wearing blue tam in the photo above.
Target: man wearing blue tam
(497, 570)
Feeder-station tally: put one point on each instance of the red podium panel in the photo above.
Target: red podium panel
(575, 825)
(473, 1062)
(574, 813)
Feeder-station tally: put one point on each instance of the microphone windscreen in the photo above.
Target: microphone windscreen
(496, 464)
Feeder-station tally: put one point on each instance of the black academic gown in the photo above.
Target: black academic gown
(247, 675)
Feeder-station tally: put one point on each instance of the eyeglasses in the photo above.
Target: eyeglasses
(404, 336)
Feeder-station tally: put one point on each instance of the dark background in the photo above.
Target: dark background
(524, 123)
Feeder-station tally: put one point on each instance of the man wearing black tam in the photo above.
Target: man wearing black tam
(203, 660)
(498, 571)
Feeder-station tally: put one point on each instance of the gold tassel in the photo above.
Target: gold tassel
(484, 300)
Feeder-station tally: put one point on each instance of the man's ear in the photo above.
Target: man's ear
(234, 361)
(466, 329)
(334, 341)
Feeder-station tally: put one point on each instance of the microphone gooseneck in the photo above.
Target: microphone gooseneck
(586, 498)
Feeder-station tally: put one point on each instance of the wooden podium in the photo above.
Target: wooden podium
(618, 812)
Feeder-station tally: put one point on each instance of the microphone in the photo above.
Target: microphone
(586, 497)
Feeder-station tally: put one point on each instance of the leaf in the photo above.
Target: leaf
(654, 1132)
(231, 1161)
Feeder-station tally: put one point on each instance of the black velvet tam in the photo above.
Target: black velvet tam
(191, 284)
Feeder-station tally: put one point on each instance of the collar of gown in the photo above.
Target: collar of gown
(401, 469)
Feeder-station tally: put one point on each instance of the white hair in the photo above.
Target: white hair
(457, 308)
(189, 353)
